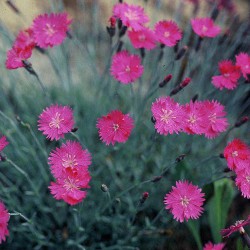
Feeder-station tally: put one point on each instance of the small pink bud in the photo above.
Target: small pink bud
(165, 81)
(241, 121)
(112, 21)
(185, 82)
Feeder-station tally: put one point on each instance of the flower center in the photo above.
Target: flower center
(70, 185)
(55, 121)
(49, 29)
(142, 38)
(184, 201)
(212, 117)
(226, 75)
(248, 178)
(235, 153)
(204, 28)
(192, 118)
(115, 126)
(247, 66)
(167, 115)
(127, 69)
(166, 34)
(69, 161)
(131, 15)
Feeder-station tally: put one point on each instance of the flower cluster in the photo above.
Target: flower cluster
(46, 31)
(205, 117)
(211, 246)
(4, 218)
(3, 143)
(237, 154)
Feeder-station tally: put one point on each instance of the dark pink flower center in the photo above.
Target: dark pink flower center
(55, 121)
(248, 178)
(70, 185)
(227, 75)
(127, 69)
(192, 118)
(204, 28)
(235, 153)
(167, 115)
(166, 34)
(115, 126)
(69, 161)
(184, 201)
(142, 38)
(212, 117)
(49, 29)
(131, 15)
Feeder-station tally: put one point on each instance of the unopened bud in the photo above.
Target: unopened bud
(112, 21)
(198, 45)
(18, 118)
(165, 81)
(215, 13)
(156, 179)
(221, 155)
(185, 82)
(13, 6)
(153, 120)
(123, 31)
(181, 53)
(142, 52)
(119, 21)
(180, 158)
(119, 48)
(104, 188)
(2, 157)
(241, 121)
(73, 130)
(69, 35)
(195, 97)
(144, 197)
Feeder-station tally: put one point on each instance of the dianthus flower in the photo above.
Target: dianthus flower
(217, 122)
(144, 38)
(3, 143)
(69, 158)
(115, 127)
(55, 121)
(211, 246)
(229, 75)
(185, 201)
(238, 226)
(205, 27)
(243, 181)
(50, 29)
(167, 33)
(25, 39)
(126, 68)
(237, 154)
(169, 116)
(15, 57)
(4, 218)
(132, 16)
(196, 119)
(243, 61)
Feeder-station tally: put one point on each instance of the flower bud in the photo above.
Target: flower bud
(13, 6)
(165, 81)
(185, 82)
(153, 120)
(180, 158)
(73, 130)
(241, 121)
(181, 53)
(156, 179)
(104, 188)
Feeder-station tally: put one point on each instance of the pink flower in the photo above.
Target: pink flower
(229, 75)
(15, 57)
(167, 32)
(69, 158)
(185, 201)
(115, 127)
(131, 15)
(243, 61)
(126, 68)
(25, 39)
(237, 154)
(3, 143)
(238, 226)
(196, 119)
(243, 180)
(144, 38)
(217, 122)
(50, 29)
(205, 27)
(211, 246)
(55, 121)
(4, 218)
(169, 116)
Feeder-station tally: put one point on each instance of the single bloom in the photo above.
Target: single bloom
(167, 32)
(115, 127)
(55, 121)
(169, 115)
(185, 201)
(242, 181)
(3, 143)
(126, 68)
(229, 75)
(16, 56)
(217, 122)
(205, 27)
(132, 16)
(70, 158)
(238, 226)
(4, 218)
(237, 154)
(24, 39)
(144, 38)
(51, 29)
(211, 246)
(243, 61)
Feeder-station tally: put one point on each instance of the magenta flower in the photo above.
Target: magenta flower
(185, 201)
(4, 218)
(132, 16)
(115, 127)
(126, 68)
(243, 180)
(205, 27)
(211, 246)
(167, 32)
(169, 116)
(70, 158)
(217, 122)
(15, 57)
(3, 143)
(50, 29)
(238, 226)
(237, 154)
(144, 38)
(243, 61)
(25, 39)
(55, 121)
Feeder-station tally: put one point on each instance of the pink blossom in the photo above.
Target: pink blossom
(169, 116)
(4, 218)
(144, 38)
(3, 143)
(55, 121)
(243, 61)
(205, 27)
(229, 75)
(185, 201)
(167, 32)
(126, 68)
(132, 16)
(243, 180)
(25, 39)
(115, 127)
(69, 158)
(50, 29)
(211, 246)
